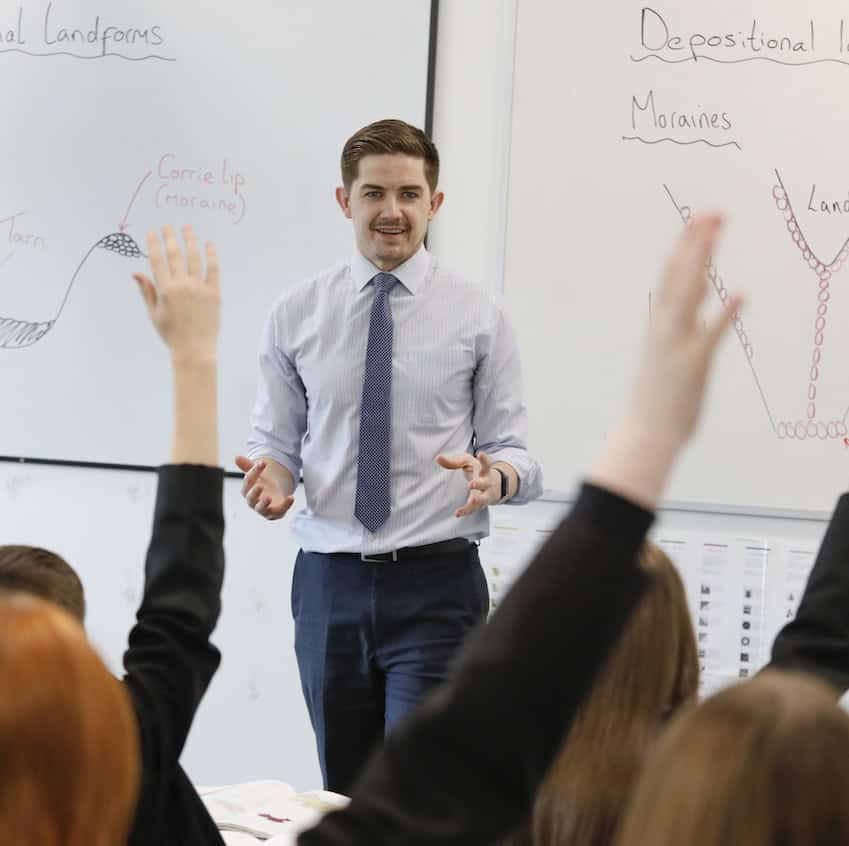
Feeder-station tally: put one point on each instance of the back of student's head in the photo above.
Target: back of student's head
(765, 763)
(37, 571)
(651, 672)
(69, 759)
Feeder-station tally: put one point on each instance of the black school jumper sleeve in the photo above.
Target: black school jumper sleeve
(817, 640)
(465, 766)
(170, 661)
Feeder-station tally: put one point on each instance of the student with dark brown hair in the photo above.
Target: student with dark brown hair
(40, 572)
(762, 763)
(69, 753)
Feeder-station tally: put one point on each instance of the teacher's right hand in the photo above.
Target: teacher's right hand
(264, 487)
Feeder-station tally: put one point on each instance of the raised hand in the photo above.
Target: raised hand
(666, 398)
(484, 482)
(183, 302)
(264, 487)
(670, 383)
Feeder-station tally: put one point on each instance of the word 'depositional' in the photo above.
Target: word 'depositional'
(752, 40)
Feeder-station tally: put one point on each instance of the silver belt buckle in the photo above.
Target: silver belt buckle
(366, 560)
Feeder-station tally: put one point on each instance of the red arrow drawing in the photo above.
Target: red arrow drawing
(123, 224)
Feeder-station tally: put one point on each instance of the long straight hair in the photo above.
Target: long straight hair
(652, 671)
(69, 748)
(764, 762)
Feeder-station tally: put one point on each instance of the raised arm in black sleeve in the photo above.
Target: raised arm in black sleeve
(170, 661)
(464, 768)
(817, 640)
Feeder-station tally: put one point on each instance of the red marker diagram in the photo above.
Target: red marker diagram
(809, 424)
(18, 334)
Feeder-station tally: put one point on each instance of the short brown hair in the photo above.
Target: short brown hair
(762, 762)
(392, 137)
(42, 573)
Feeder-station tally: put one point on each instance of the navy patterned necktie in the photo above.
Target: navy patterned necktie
(372, 502)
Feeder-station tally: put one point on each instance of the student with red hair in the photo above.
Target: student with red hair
(69, 759)
(84, 758)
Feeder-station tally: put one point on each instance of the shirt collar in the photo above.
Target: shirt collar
(411, 274)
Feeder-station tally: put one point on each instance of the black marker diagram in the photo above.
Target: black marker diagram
(811, 425)
(18, 334)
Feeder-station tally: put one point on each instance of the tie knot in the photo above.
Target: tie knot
(383, 282)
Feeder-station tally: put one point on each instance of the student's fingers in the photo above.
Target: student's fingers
(696, 260)
(147, 290)
(157, 262)
(722, 321)
(176, 263)
(683, 282)
(193, 262)
(212, 267)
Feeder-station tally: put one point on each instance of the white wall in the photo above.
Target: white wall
(472, 114)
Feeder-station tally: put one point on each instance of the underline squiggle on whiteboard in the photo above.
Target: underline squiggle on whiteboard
(700, 57)
(682, 143)
(87, 58)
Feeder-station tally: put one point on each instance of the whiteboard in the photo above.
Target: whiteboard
(124, 116)
(626, 118)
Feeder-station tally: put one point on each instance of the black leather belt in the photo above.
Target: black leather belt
(411, 553)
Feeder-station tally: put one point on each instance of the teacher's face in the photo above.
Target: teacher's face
(391, 205)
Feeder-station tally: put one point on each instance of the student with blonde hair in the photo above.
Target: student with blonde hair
(791, 732)
(69, 759)
(651, 672)
(765, 763)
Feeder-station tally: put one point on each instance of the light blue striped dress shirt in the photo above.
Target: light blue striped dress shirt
(456, 381)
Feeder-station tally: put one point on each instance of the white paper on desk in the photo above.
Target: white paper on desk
(262, 810)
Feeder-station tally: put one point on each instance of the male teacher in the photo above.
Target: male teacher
(377, 379)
